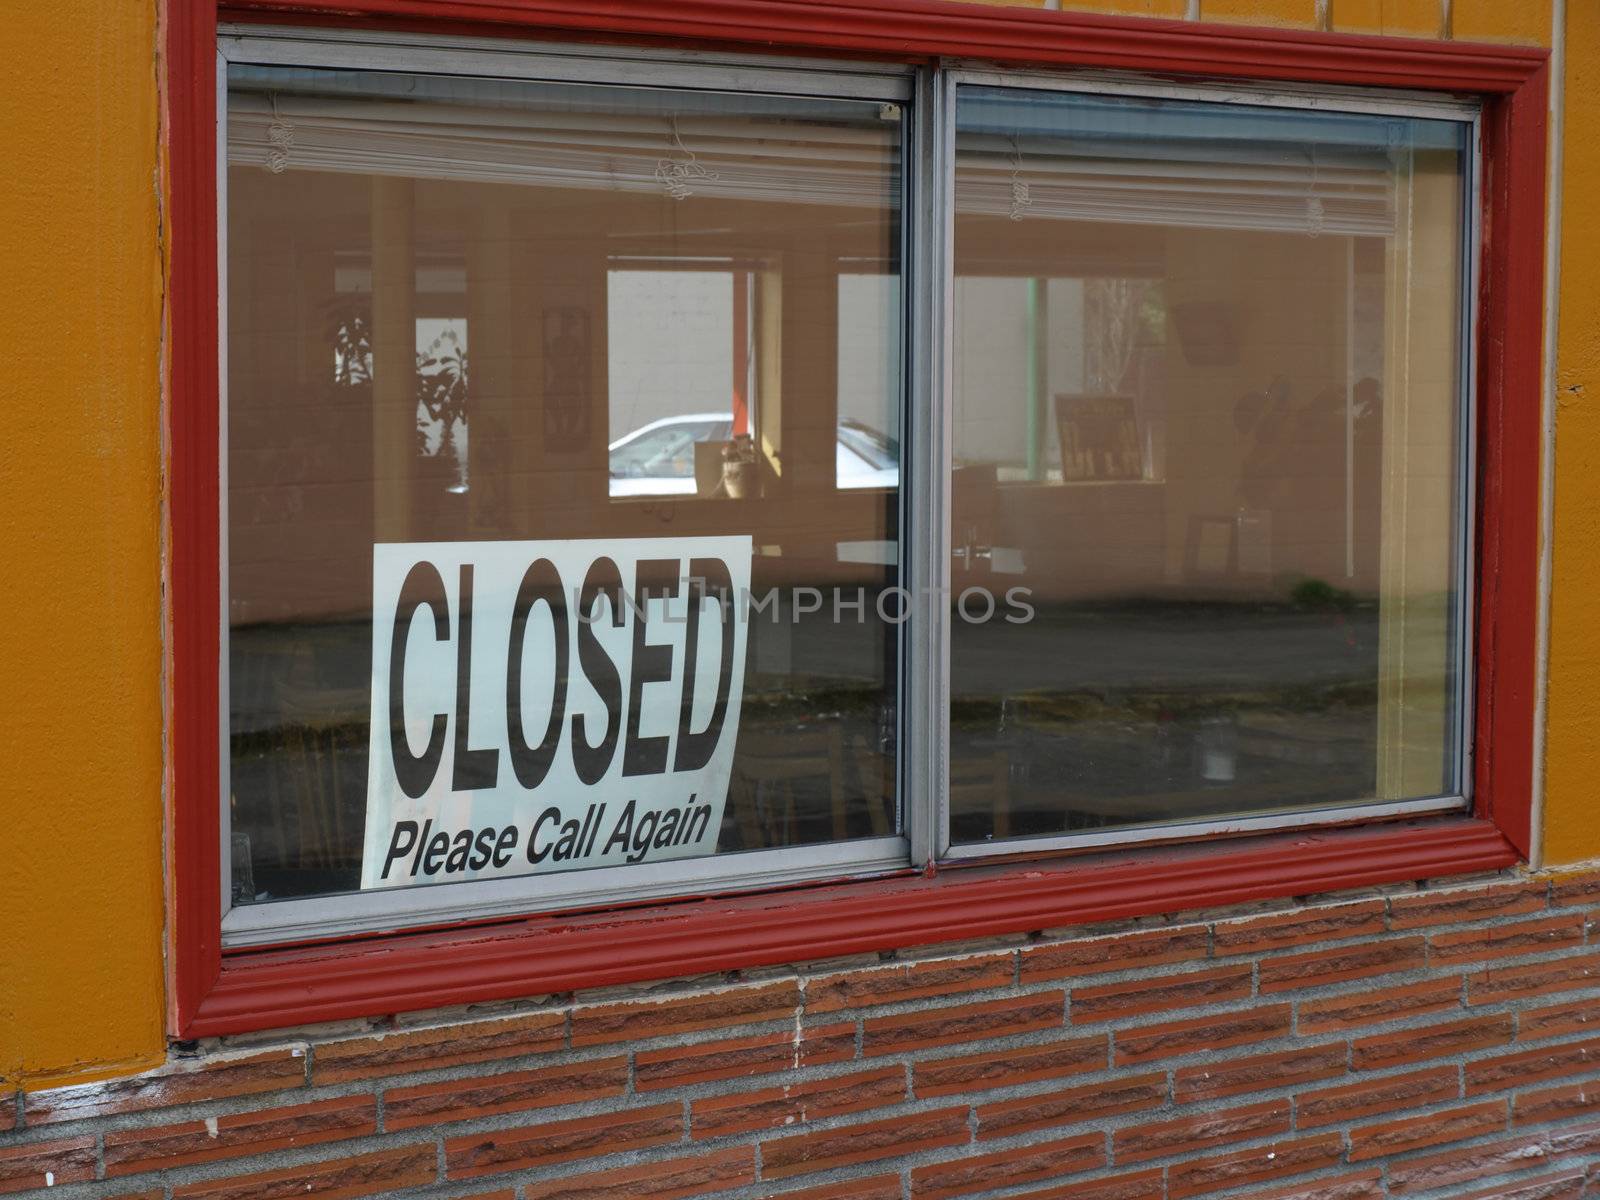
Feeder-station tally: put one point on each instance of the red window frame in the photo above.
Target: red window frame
(213, 992)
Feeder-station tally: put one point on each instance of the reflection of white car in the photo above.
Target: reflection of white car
(658, 459)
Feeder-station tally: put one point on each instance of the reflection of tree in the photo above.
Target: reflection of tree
(1114, 323)
(441, 375)
(352, 349)
(441, 388)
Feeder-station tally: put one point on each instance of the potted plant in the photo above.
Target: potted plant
(739, 467)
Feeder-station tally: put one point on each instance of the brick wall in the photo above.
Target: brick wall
(1420, 1041)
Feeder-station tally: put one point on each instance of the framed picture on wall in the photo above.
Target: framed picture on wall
(1099, 437)
(566, 378)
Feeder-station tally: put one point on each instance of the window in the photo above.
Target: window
(1209, 408)
(564, 460)
(649, 474)
(542, 501)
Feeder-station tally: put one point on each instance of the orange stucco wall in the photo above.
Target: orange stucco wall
(81, 961)
(80, 816)
(1572, 817)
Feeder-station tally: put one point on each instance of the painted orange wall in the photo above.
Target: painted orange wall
(80, 820)
(1572, 758)
(80, 857)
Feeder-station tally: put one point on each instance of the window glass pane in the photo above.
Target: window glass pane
(1208, 406)
(562, 421)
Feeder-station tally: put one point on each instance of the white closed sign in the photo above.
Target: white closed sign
(550, 706)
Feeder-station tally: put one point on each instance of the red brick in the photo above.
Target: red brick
(1496, 984)
(1044, 1110)
(636, 1020)
(1555, 1103)
(160, 1193)
(850, 1144)
(1006, 1068)
(1137, 1185)
(1364, 1185)
(1574, 1139)
(1567, 1185)
(1458, 906)
(909, 981)
(1391, 1094)
(1253, 1166)
(1370, 1006)
(130, 1150)
(1360, 961)
(879, 1187)
(1578, 887)
(1158, 1139)
(1129, 998)
(1430, 1041)
(1506, 1071)
(1146, 1043)
(1505, 941)
(675, 1179)
(962, 1023)
(794, 1103)
(1463, 1164)
(1299, 928)
(1556, 1020)
(1024, 1164)
(738, 1058)
(1430, 1129)
(1114, 952)
(46, 1164)
(183, 1081)
(513, 1091)
(441, 1046)
(378, 1174)
(1230, 1077)
(562, 1141)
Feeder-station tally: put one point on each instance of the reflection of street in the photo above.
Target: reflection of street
(1095, 716)
(1164, 712)
(1085, 717)
(1181, 647)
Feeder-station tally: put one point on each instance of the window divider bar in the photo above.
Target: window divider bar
(928, 643)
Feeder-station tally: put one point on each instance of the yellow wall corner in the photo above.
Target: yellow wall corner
(81, 969)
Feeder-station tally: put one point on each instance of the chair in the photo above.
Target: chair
(322, 767)
(983, 781)
(767, 766)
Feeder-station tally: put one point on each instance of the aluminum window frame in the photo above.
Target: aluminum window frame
(1322, 98)
(333, 915)
(928, 94)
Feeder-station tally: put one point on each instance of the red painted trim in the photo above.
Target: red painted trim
(932, 29)
(194, 830)
(213, 994)
(1510, 380)
(562, 953)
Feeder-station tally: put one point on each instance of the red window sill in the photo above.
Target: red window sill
(263, 989)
